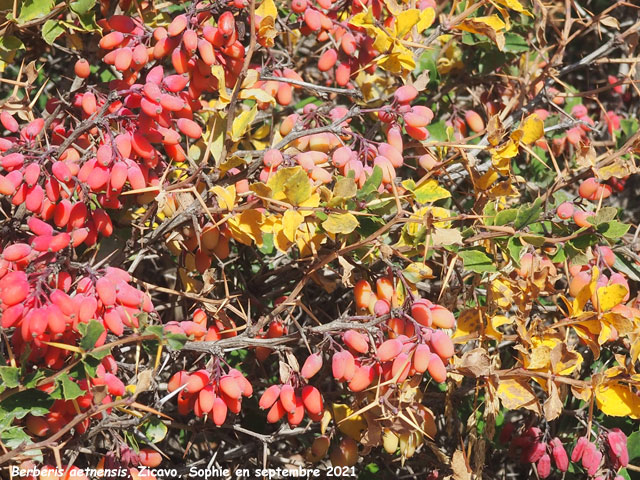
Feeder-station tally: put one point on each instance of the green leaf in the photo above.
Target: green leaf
(428, 192)
(31, 380)
(624, 474)
(630, 269)
(100, 354)
(267, 244)
(344, 223)
(605, 214)
(559, 256)
(633, 445)
(15, 436)
(176, 340)
(88, 22)
(506, 216)
(438, 131)
(613, 229)
(477, 260)
(33, 401)
(489, 212)
(10, 376)
(32, 9)
(51, 30)
(82, 7)
(157, 330)
(9, 43)
(515, 43)
(70, 389)
(527, 214)
(515, 249)
(93, 331)
(371, 184)
(90, 364)
(155, 430)
(535, 240)
(9, 46)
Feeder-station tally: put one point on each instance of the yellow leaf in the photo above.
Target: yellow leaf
(538, 358)
(620, 168)
(405, 21)
(622, 324)
(245, 227)
(257, 94)
(516, 393)
(351, 425)
(252, 77)
(514, 5)
(564, 361)
(399, 61)
(291, 220)
(189, 284)
(226, 196)
(501, 293)
(267, 9)
(312, 202)
(430, 191)
(617, 400)
(605, 334)
(486, 180)
(297, 188)
(261, 190)
(340, 223)
(610, 296)
(223, 95)
(280, 240)
(586, 293)
(277, 182)
(497, 321)
(491, 26)
(468, 322)
(427, 16)
(242, 123)
(215, 129)
(270, 222)
(343, 189)
(308, 240)
(262, 132)
(503, 189)
(267, 32)
(532, 128)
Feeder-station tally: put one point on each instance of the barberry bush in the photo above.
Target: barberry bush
(376, 238)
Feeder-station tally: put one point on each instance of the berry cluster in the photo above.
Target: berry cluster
(209, 394)
(64, 411)
(199, 328)
(293, 401)
(46, 305)
(533, 448)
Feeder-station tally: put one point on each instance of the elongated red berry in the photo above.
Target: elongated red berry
(219, 410)
(312, 365)
(356, 341)
(276, 412)
(269, 397)
(190, 128)
(312, 399)
(405, 94)
(177, 25)
(389, 349)
(288, 398)
(9, 122)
